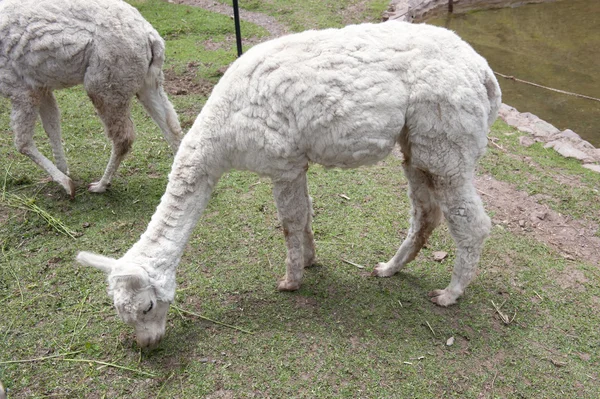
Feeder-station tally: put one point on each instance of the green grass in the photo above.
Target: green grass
(344, 334)
(561, 183)
(300, 15)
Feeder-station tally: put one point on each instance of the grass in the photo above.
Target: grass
(300, 15)
(342, 335)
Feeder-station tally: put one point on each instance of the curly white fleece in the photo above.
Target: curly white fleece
(107, 46)
(340, 98)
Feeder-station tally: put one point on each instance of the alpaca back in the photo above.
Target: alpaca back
(51, 44)
(342, 97)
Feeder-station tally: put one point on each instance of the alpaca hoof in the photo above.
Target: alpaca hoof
(443, 297)
(68, 185)
(97, 187)
(383, 270)
(285, 285)
(71, 190)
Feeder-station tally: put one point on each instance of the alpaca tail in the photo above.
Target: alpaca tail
(494, 95)
(154, 98)
(157, 50)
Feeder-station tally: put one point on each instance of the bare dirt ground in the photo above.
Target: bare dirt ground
(269, 23)
(512, 209)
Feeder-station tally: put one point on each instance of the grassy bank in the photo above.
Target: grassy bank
(344, 334)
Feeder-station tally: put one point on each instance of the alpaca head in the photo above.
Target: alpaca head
(135, 296)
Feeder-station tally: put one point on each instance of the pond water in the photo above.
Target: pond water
(553, 44)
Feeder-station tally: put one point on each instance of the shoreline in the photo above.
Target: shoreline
(566, 142)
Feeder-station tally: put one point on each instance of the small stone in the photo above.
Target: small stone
(439, 256)
(86, 225)
(521, 223)
(450, 341)
(204, 360)
(526, 141)
(539, 215)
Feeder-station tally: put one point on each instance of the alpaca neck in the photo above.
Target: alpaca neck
(190, 185)
(198, 165)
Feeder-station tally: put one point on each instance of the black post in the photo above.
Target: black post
(450, 6)
(238, 30)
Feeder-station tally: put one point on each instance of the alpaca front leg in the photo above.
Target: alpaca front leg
(469, 226)
(23, 117)
(293, 208)
(50, 116)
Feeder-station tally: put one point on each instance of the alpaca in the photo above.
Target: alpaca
(340, 98)
(104, 44)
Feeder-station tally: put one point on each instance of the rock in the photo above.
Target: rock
(530, 116)
(521, 223)
(592, 166)
(506, 110)
(512, 120)
(544, 129)
(450, 341)
(439, 256)
(567, 150)
(569, 134)
(525, 129)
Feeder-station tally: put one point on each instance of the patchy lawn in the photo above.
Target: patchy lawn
(527, 326)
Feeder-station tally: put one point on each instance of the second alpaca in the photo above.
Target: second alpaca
(104, 44)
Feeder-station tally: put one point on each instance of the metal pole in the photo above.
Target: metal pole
(238, 30)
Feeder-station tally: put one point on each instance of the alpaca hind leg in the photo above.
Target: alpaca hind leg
(293, 208)
(50, 116)
(469, 226)
(308, 238)
(426, 216)
(23, 117)
(156, 103)
(119, 129)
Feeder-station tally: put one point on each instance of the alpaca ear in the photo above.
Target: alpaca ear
(98, 261)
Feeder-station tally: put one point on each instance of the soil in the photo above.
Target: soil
(511, 209)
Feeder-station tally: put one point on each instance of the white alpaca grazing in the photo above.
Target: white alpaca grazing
(340, 98)
(104, 44)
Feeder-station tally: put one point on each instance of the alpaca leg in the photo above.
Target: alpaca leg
(293, 208)
(119, 129)
(426, 215)
(469, 225)
(50, 116)
(23, 117)
(308, 238)
(155, 100)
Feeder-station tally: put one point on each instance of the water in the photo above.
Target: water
(553, 44)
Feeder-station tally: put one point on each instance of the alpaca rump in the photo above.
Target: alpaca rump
(340, 98)
(107, 46)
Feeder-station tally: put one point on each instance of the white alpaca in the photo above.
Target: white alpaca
(104, 44)
(340, 98)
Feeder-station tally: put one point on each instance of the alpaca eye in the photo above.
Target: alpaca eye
(150, 308)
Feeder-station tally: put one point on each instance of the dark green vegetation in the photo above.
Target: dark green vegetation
(344, 334)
